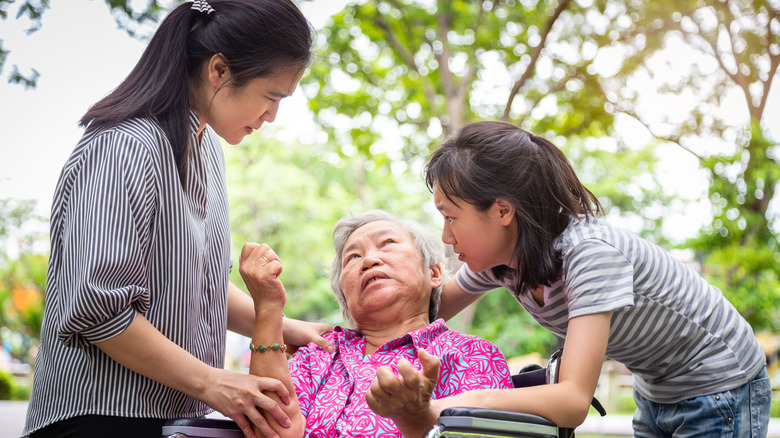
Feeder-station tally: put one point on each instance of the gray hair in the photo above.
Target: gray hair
(425, 240)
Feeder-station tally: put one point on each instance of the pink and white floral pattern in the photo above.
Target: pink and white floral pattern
(331, 387)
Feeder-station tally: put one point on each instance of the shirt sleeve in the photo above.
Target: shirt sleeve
(106, 239)
(476, 282)
(597, 278)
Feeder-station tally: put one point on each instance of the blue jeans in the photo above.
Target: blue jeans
(741, 412)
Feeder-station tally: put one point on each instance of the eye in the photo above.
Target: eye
(352, 256)
(272, 99)
(387, 241)
(449, 219)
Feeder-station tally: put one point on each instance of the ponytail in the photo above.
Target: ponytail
(157, 87)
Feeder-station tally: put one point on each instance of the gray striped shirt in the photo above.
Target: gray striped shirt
(126, 238)
(678, 334)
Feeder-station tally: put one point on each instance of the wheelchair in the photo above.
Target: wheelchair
(465, 422)
(456, 422)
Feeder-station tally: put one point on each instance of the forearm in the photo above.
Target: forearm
(454, 299)
(266, 332)
(143, 349)
(241, 311)
(562, 404)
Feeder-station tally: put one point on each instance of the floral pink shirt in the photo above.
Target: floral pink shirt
(331, 388)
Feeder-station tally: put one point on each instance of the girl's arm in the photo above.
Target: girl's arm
(143, 349)
(566, 403)
(454, 299)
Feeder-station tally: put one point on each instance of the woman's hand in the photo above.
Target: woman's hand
(406, 399)
(298, 333)
(240, 397)
(260, 268)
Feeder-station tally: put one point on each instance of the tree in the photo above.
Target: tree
(421, 69)
(137, 23)
(735, 49)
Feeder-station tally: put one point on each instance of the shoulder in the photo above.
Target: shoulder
(135, 137)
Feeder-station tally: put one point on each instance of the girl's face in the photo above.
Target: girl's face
(234, 113)
(481, 239)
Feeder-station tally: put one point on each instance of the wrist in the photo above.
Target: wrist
(269, 309)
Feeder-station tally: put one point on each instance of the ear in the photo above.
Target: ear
(436, 276)
(217, 71)
(504, 211)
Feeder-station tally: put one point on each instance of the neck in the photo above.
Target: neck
(378, 335)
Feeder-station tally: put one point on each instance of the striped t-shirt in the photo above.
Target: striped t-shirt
(678, 334)
(126, 238)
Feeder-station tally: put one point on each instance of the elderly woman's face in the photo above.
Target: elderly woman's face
(383, 277)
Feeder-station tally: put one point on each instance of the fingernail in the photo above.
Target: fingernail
(331, 349)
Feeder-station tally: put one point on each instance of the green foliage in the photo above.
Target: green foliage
(13, 388)
(501, 319)
(427, 68)
(22, 277)
(6, 382)
(739, 250)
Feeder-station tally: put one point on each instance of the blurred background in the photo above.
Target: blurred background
(667, 111)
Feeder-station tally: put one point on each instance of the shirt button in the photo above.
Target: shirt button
(717, 398)
(729, 420)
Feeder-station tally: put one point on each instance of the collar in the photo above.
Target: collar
(420, 338)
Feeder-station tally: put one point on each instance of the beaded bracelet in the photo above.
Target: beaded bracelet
(263, 348)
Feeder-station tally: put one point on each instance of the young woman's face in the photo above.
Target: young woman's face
(234, 113)
(481, 239)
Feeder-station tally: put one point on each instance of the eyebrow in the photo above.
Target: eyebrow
(279, 94)
(374, 235)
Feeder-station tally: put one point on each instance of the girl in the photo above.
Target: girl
(517, 215)
(138, 297)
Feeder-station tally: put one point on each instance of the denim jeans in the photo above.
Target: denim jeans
(741, 412)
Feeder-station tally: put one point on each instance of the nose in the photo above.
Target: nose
(369, 261)
(447, 236)
(270, 114)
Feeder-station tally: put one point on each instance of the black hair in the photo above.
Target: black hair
(488, 161)
(255, 38)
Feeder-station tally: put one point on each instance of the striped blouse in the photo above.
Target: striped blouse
(126, 238)
(678, 334)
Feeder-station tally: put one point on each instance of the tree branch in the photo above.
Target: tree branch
(774, 61)
(669, 138)
(534, 57)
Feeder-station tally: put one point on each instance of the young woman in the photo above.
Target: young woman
(138, 298)
(517, 215)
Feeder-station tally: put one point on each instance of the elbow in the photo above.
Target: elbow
(296, 429)
(577, 412)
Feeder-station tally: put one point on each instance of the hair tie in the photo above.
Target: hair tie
(202, 6)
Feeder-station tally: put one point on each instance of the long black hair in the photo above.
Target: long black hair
(255, 38)
(488, 161)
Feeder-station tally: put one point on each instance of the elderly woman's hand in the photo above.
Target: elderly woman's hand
(406, 399)
(260, 267)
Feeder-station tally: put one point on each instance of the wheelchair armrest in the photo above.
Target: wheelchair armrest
(506, 423)
(201, 428)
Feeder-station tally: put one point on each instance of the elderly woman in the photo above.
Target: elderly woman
(387, 276)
